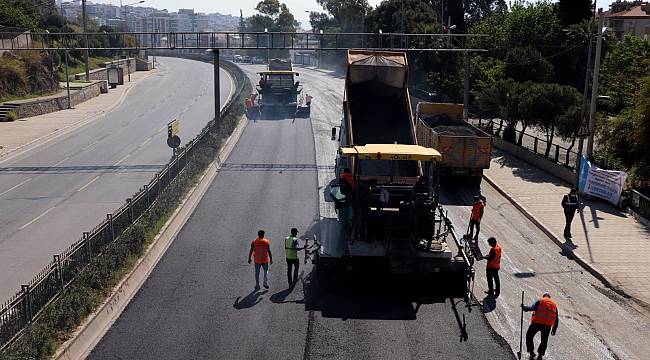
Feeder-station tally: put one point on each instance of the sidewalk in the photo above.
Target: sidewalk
(606, 241)
(25, 132)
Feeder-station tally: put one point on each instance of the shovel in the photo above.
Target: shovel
(521, 325)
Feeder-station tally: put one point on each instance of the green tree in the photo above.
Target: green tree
(273, 16)
(15, 16)
(477, 10)
(502, 100)
(574, 11)
(408, 16)
(343, 15)
(625, 63)
(545, 105)
(625, 139)
(527, 64)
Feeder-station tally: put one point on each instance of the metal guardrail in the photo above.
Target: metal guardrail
(23, 308)
(238, 40)
(641, 204)
(557, 153)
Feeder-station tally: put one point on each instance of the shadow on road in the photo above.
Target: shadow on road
(249, 300)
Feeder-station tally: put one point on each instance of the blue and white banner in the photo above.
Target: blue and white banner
(605, 184)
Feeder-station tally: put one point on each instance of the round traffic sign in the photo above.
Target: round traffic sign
(174, 141)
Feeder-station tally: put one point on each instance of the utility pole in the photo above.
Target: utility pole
(466, 92)
(217, 87)
(594, 88)
(67, 79)
(83, 16)
(581, 141)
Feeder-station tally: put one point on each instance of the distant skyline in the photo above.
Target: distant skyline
(297, 7)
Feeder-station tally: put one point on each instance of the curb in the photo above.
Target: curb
(88, 335)
(590, 268)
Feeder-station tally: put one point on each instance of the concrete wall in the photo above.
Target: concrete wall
(78, 94)
(143, 65)
(538, 161)
(97, 74)
(102, 73)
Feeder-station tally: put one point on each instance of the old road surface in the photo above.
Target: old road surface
(51, 194)
(199, 302)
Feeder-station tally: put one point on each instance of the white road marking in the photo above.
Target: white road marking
(16, 186)
(62, 161)
(37, 218)
(88, 184)
(90, 145)
(122, 159)
(146, 141)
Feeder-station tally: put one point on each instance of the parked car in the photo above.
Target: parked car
(246, 59)
(258, 60)
(237, 58)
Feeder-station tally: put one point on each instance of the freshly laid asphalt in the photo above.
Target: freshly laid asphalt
(51, 194)
(199, 302)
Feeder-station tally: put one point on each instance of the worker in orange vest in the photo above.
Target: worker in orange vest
(492, 269)
(477, 215)
(545, 320)
(261, 253)
(346, 180)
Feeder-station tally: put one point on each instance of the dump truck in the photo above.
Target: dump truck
(390, 219)
(466, 149)
(278, 91)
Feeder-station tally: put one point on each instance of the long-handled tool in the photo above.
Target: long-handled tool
(521, 325)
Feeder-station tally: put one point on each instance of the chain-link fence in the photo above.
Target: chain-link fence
(21, 309)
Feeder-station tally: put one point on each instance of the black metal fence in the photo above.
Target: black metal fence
(557, 153)
(641, 204)
(21, 309)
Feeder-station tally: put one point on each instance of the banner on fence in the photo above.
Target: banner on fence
(605, 184)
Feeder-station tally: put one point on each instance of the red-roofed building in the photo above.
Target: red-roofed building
(629, 17)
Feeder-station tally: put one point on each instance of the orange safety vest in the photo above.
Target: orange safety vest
(476, 211)
(261, 250)
(349, 178)
(496, 262)
(546, 313)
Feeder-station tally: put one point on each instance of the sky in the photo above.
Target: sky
(297, 7)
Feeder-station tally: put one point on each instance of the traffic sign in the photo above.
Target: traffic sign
(173, 127)
(173, 141)
(583, 130)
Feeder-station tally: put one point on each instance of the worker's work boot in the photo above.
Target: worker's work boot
(532, 355)
(539, 356)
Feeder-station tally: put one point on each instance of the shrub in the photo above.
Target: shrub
(11, 116)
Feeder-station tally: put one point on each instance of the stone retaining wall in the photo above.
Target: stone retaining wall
(78, 94)
(102, 73)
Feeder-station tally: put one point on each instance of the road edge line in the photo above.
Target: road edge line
(88, 335)
(593, 270)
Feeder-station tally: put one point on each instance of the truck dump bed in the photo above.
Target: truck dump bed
(378, 109)
(466, 150)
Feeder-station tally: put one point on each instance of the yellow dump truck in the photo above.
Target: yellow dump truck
(466, 150)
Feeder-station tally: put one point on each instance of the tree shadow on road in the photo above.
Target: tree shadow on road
(249, 300)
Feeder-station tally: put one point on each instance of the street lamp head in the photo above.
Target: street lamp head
(381, 32)
(452, 27)
(605, 29)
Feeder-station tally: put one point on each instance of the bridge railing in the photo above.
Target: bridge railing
(23, 308)
(237, 40)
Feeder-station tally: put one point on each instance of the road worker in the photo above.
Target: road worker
(477, 215)
(347, 182)
(545, 320)
(291, 248)
(249, 105)
(492, 268)
(261, 253)
(571, 207)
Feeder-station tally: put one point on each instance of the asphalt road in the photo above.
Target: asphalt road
(51, 194)
(199, 302)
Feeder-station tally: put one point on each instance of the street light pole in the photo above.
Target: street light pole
(581, 141)
(594, 88)
(83, 16)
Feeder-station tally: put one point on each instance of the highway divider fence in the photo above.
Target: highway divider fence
(25, 306)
